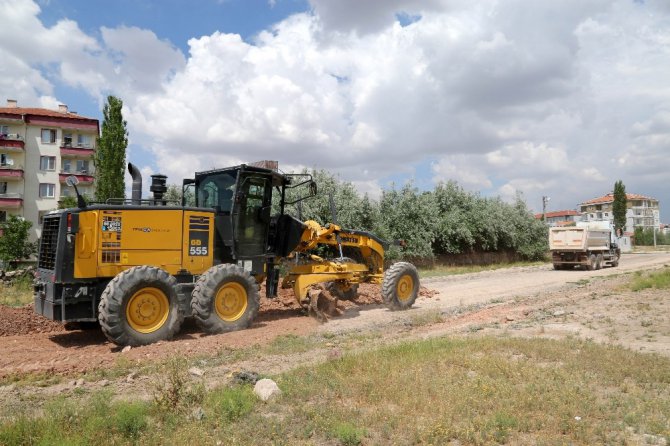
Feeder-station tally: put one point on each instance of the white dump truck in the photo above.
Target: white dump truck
(590, 245)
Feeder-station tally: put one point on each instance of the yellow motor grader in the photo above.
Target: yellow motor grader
(140, 266)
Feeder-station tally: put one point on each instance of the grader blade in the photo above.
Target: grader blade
(321, 306)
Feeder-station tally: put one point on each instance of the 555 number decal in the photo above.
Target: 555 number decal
(196, 249)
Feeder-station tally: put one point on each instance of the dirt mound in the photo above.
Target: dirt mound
(23, 320)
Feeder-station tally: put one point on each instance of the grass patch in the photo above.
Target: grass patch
(18, 293)
(446, 270)
(655, 279)
(468, 391)
(426, 317)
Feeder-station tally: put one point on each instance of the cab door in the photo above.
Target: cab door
(252, 214)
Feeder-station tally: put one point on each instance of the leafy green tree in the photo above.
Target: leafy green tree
(14, 242)
(408, 215)
(174, 194)
(619, 207)
(110, 155)
(71, 201)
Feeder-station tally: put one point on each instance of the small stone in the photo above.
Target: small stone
(196, 371)
(266, 389)
(126, 349)
(198, 414)
(509, 318)
(104, 382)
(131, 377)
(72, 383)
(578, 418)
(79, 382)
(8, 388)
(527, 311)
(245, 377)
(471, 374)
(558, 313)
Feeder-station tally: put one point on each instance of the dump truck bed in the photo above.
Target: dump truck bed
(578, 239)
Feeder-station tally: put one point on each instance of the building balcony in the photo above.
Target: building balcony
(10, 172)
(12, 143)
(11, 201)
(83, 177)
(75, 151)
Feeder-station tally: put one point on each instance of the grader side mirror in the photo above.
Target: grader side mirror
(313, 188)
(72, 181)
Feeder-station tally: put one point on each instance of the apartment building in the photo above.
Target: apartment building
(560, 218)
(641, 212)
(39, 149)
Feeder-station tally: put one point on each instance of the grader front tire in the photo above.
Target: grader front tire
(140, 306)
(400, 287)
(225, 298)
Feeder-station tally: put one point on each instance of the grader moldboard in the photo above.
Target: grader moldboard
(140, 266)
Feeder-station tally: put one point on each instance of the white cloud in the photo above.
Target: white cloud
(551, 98)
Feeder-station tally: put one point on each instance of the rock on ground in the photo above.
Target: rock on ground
(266, 389)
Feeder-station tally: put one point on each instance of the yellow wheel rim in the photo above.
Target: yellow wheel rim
(230, 302)
(405, 287)
(147, 310)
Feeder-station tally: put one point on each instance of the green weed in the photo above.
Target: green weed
(657, 279)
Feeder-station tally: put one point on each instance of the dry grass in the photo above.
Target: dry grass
(446, 270)
(17, 294)
(476, 391)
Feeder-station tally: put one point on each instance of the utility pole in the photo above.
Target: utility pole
(545, 199)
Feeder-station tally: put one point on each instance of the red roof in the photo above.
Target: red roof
(554, 214)
(609, 198)
(19, 111)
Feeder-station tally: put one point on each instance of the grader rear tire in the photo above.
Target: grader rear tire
(400, 287)
(225, 298)
(140, 306)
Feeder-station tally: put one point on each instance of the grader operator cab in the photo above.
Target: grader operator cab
(140, 266)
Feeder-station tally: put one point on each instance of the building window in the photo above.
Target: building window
(67, 165)
(47, 190)
(48, 136)
(5, 160)
(67, 139)
(3, 187)
(4, 130)
(83, 140)
(3, 215)
(47, 163)
(82, 166)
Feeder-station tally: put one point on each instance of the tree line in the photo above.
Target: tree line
(443, 221)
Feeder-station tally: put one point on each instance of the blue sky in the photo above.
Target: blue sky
(544, 98)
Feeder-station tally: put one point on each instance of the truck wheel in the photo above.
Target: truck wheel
(225, 298)
(592, 262)
(140, 306)
(400, 287)
(558, 266)
(615, 262)
(337, 290)
(599, 261)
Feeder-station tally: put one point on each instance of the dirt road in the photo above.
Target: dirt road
(73, 352)
(500, 285)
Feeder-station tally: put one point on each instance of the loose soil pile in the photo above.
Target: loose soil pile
(23, 321)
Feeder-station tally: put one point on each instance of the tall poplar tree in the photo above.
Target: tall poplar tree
(110, 156)
(619, 207)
